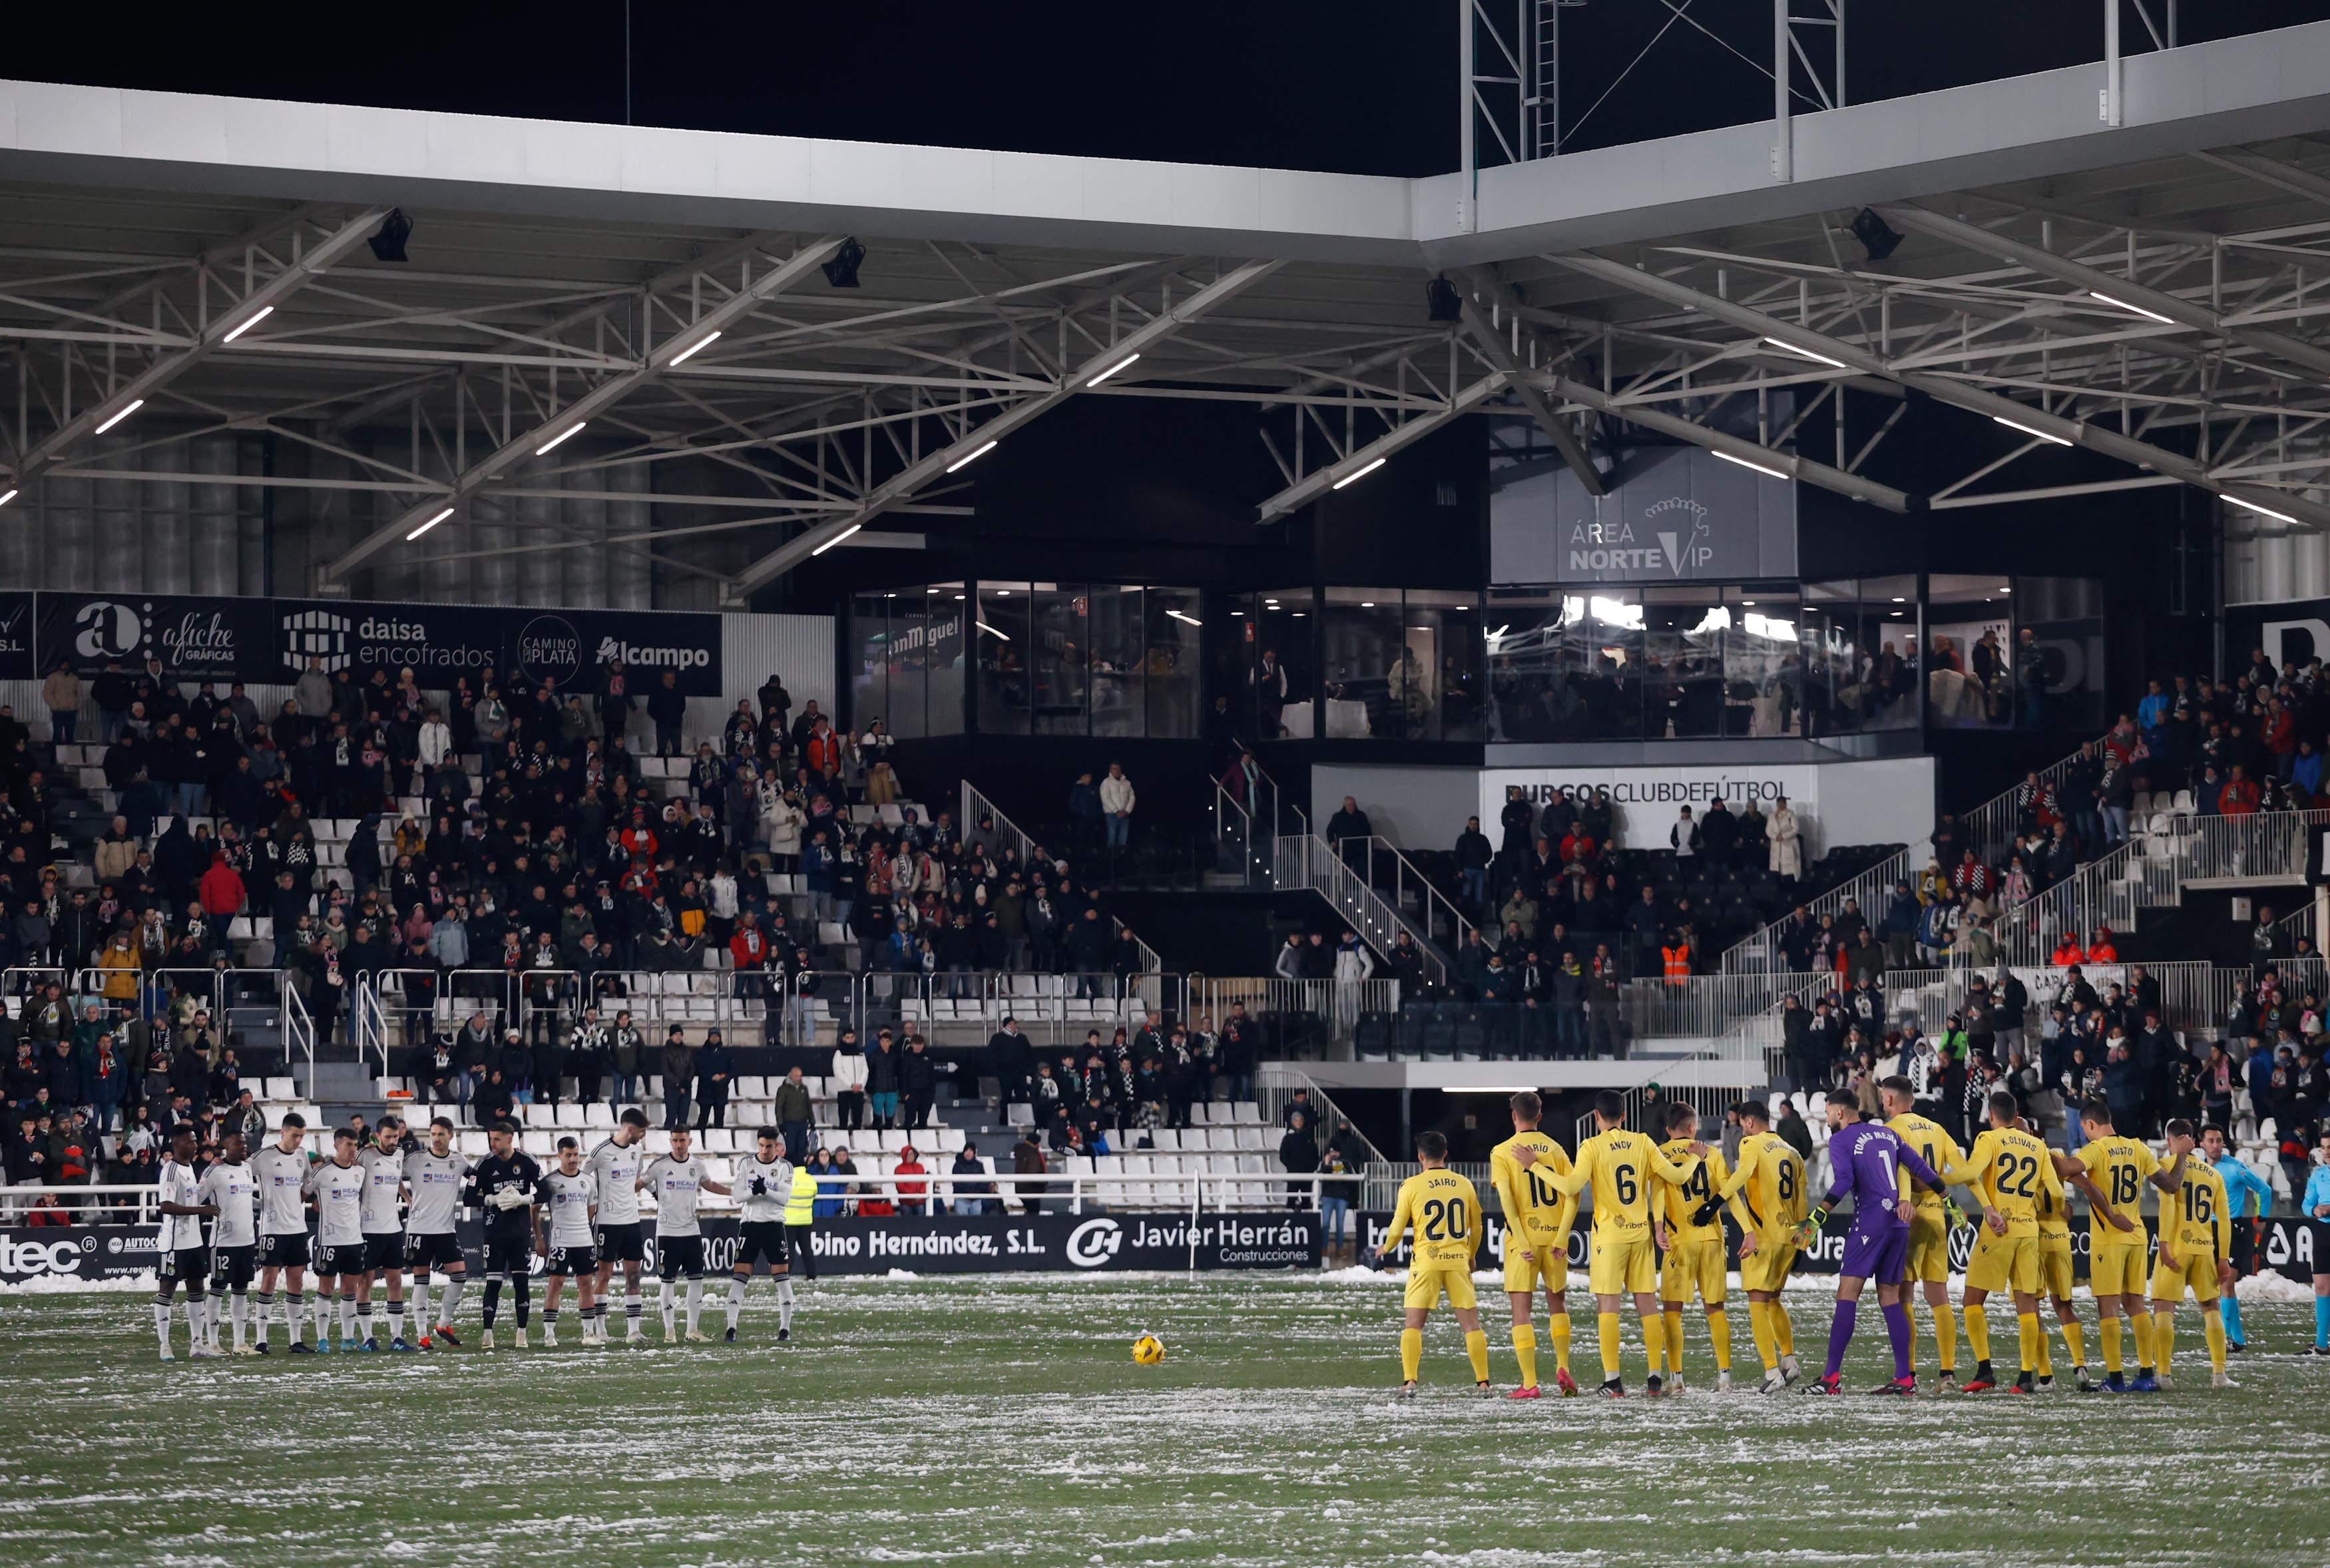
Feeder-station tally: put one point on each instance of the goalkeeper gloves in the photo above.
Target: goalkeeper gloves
(1952, 1213)
(508, 1198)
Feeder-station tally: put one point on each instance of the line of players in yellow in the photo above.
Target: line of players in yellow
(1658, 1235)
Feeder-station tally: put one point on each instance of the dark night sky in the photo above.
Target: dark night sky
(1365, 86)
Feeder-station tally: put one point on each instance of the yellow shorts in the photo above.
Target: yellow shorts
(1690, 1265)
(1930, 1245)
(1624, 1263)
(1425, 1286)
(2117, 1270)
(1550, 1265)
(2055, 1264)
(2196, 1269)
(2008, 1262)
(1766, 1267)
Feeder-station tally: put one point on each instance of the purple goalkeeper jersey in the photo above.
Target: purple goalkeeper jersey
(1868, 1158)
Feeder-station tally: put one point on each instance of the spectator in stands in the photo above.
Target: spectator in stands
(1027, 1160)
(716, 1066)
(1683, 837)
(1786, 837)
(678, 1078)
(1298, 1154)
(2239, 795)
(1346, 826)
(1473, 859)
(1116, 801)
(667, 711)
(63, 693)
(882, 1081)
(973, 1195)
(913, 1197)
(917, 1081)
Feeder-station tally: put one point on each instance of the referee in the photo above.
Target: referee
(2317, 1210)
(2239, 1182)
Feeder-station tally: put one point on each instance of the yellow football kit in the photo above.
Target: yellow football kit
(1537, 1214)
(2014, 1173)
(1929, 1224)
(2054, 1247)
(2197, 1231)
(1445, 1212)
(1694, 1257)
(2116, 1258)
(1769, 1196)
(1619, 1165)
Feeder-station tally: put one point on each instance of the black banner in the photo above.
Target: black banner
(2286, 1246)
(18, 625)
(2293, 631)
(938, 1244)
(195, 639)
(272, 640)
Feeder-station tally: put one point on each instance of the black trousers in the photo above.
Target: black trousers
(804, 1255)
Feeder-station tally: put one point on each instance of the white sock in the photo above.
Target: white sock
(695, 1302)
(348, 1317)
(162, 1321)
(550, 1325)
(451, 1297)
(667, 1302)
(202, 1318)
(395, 1320)
(785, 1305)
(295, 1315)
(363, 1321)
(737, 1285)
(241, 1308)
(634, 1305)
(420, 1302)
(326, 1307)
(265, 1310)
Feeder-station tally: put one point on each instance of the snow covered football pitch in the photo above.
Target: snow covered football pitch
(984, 1421)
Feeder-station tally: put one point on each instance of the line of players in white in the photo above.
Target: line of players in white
(382, 1209)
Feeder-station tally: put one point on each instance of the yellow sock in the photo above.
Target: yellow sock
(2140, 1324)
(2213, 1324)
(1411, 1351)
(2111, 1332)
(1719, 1328)
(1525, 1352)
(1977, 1325)
(1759, 1324)
(1607, 1322)
(1783, 1333)
(2033, 1340)
(1561, 1328)
(2075, 1334)
(1673, 1315)
(2163, 1339)
(2043, 1353)
(1476, 1350)
(1945, 1336)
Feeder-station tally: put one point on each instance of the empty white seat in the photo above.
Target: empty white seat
(1251, 1137)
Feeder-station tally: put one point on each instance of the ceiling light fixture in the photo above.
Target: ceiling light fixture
(132, 407)
(991, 631)
(1111, 370)
(1807, 353)
(2028, 430)
(254, 319)
(692, 350)
(1192, 619)
(969, 458)
(432, 522)
(2263, 511)
(7, 498)
(1876, 236)
(1441, 302)
(388, 244)
(838, 538)
(1359, 473)
(1729, 458)
(560, 437)
(2132, 309)
(841, 272)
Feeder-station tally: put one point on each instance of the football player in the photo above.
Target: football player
(435, 1177)
(1445, 1212)
(2196, 1249)
(1929, 1268)
(1688, 1226)
(764, 1183)
(1620, 1165)
(383, 1232)
(2014, 1173)
(227, 1188)
(1538, 1221)
(180, 1256)
(615, 1164)
(572, 1195)
(2115, 1238)
(1769, 1197)
(337, 1186)
(503, 1184)
(679, 1179)
(279, 1172)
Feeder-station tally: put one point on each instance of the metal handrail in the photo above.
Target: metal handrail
(1309, 862)
(976, 805)
(1404, 871)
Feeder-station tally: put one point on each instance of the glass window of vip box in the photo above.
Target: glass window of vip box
(1402, 665)
(2059, 653)
(1665, 663)
(1968, 661)
(1065, 659)
(1861, 652)
(906, 657)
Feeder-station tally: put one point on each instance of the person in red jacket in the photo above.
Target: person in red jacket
(2239, 797)
(2100, 949)
(911, 1194)
(750, 945)
(2067, 952)
(221, 891)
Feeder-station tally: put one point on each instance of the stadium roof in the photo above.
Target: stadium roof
(2148, 291)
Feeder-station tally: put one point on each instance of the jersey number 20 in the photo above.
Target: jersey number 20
(1445, 1221)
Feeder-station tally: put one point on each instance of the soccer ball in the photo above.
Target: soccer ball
(1149, 1350)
